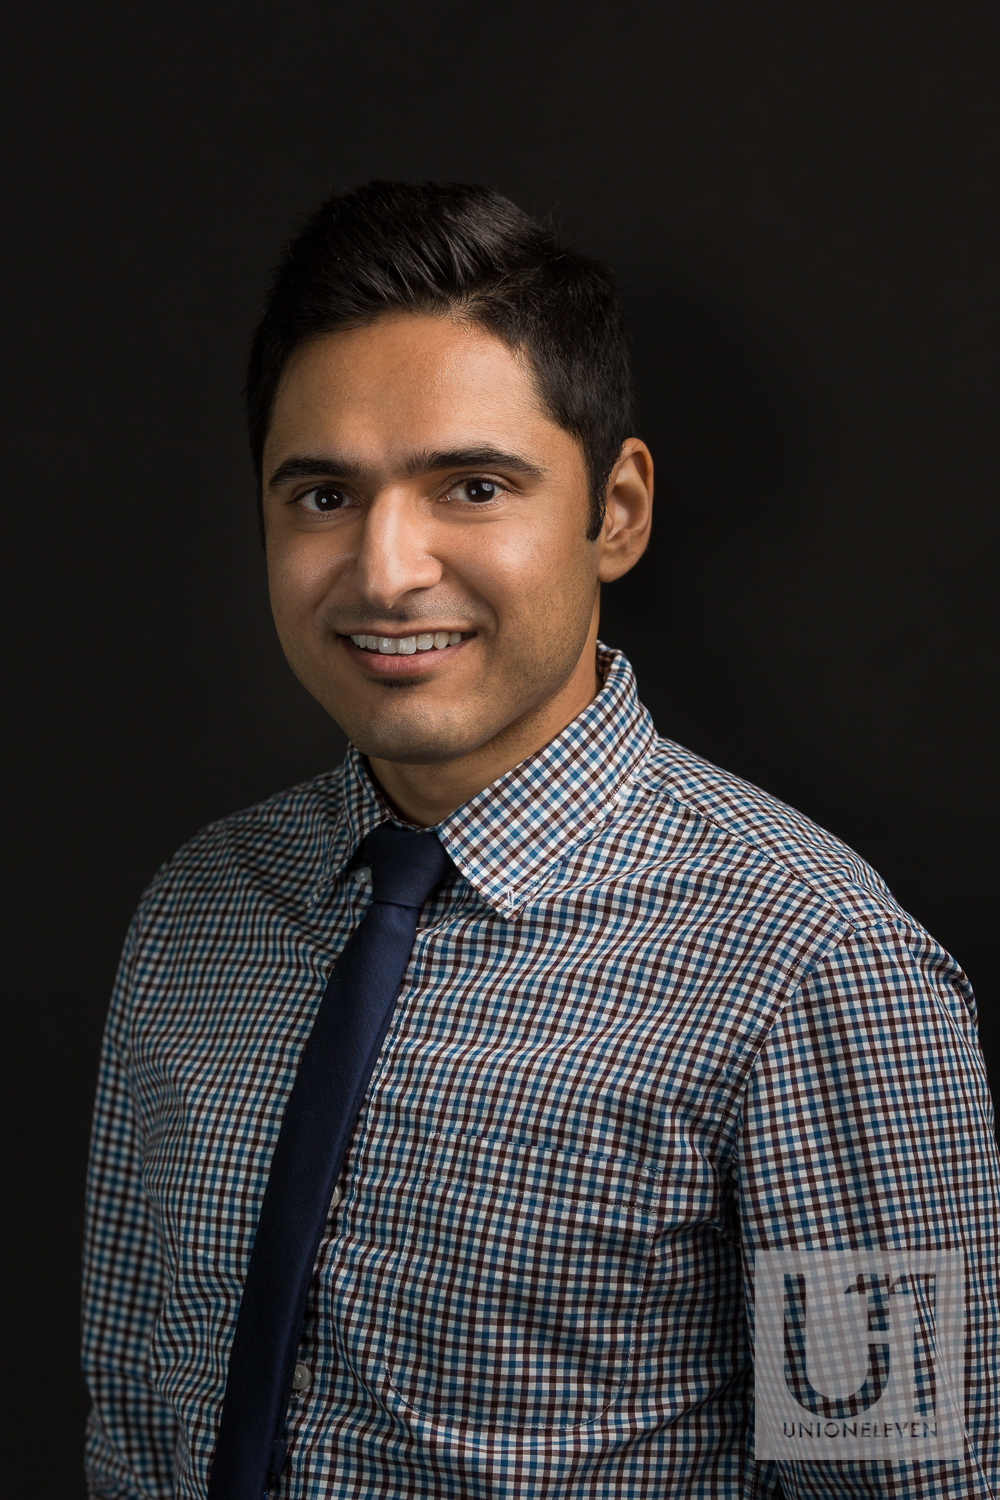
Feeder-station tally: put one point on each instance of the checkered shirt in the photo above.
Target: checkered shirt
(656, 1021)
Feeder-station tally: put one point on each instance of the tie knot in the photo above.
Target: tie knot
(406, 865)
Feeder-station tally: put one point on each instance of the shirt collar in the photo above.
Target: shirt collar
(509, 835)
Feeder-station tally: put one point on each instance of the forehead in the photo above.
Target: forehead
(409, 383)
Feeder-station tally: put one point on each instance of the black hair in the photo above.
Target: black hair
(469, 252)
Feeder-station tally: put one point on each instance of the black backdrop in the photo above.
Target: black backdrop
(802, 204)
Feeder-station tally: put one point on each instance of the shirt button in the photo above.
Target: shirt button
(338, 1196)
(302, 1379)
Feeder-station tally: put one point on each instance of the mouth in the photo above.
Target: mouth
(400, 655)
(408, 645)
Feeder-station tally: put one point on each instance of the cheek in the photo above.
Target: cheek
(299, 575)
(528, 571)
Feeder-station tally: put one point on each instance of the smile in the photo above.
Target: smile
(407, 645)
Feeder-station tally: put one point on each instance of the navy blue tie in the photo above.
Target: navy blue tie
(322, 1110)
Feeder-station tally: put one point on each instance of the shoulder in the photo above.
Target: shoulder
(282, 843)
(785, 847)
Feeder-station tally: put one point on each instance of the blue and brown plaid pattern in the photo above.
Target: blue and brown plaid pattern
(656, 1021)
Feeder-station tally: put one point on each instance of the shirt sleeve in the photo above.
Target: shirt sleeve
(131, 1432)
(867, 1124)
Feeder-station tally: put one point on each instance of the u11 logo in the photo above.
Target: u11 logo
(858, 1355)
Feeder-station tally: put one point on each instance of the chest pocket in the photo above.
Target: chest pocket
(518, 1282)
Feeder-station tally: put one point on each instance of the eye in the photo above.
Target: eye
(477, 491)
(323, 499)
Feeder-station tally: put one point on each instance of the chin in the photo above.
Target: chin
(414, 743)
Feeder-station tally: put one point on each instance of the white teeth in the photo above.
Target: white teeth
(392, 645)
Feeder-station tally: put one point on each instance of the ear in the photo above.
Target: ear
(628, 513)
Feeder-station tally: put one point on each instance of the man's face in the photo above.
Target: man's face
(416, 492)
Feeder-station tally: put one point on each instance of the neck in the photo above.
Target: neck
(427, 794)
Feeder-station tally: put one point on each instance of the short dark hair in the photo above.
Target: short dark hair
(466, 251)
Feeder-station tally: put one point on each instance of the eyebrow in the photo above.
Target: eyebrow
(313, 465)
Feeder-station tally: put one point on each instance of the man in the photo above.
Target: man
(476, 1117)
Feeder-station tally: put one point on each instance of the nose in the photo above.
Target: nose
(395, 556)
